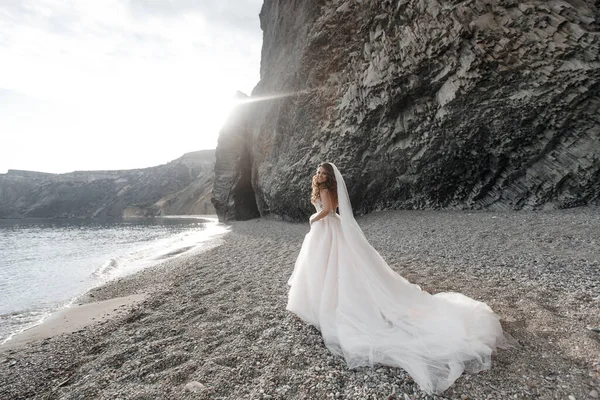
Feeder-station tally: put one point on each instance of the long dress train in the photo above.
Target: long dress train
(369, 314)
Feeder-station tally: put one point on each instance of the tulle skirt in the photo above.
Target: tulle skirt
(369, 314)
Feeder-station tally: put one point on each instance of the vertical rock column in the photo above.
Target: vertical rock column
(233, 195)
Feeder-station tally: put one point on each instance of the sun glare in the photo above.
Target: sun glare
(142, 90)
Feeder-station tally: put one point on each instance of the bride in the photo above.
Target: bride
(369, 314)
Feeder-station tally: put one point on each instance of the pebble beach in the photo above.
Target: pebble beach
(212, 324)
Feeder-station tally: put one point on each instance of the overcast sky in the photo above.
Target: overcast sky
(119, 84)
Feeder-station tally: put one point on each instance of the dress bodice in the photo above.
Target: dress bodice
(319, 207)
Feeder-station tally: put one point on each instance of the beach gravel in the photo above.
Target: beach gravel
(213, 324)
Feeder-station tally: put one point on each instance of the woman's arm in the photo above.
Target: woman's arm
(327, 206)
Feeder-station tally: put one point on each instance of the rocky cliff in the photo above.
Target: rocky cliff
(422, 104)
(233, 194)
(182, 186)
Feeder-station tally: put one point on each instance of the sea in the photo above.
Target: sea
(46, 264)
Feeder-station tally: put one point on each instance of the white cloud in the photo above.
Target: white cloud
(119, 84)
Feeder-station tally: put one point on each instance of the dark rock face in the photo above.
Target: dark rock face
(233, 195)
(427, 104)
(182, 186)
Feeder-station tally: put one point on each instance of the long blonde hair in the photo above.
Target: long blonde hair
(330, 184)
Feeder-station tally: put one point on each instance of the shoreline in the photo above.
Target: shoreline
(73, 318)
(97, 304)
(218, 316)
(210, 233)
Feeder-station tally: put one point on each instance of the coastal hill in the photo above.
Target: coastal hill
(182, 186)
(461, 105)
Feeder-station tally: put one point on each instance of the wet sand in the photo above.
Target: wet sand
(74, 318)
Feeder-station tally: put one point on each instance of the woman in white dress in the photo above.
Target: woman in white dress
(369, 314)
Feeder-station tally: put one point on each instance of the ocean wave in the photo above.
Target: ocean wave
(158, 250)
(86, 258)
(14, 323)
(105, 268)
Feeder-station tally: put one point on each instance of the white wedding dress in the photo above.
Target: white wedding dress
(369, 314)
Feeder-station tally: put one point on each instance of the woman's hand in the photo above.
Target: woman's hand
(315, 217)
